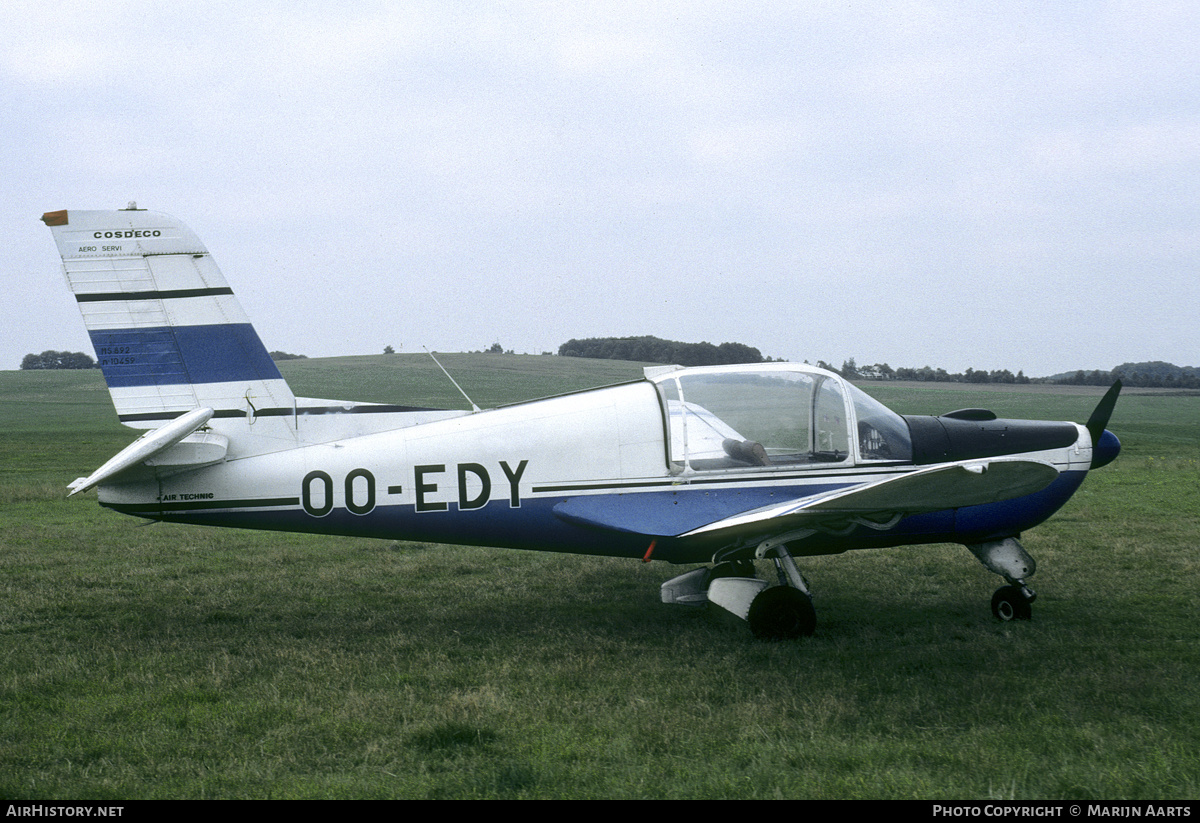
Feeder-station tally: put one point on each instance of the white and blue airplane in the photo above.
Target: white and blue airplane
(716, 465)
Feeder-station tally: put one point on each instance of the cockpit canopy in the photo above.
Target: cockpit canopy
(774, 415)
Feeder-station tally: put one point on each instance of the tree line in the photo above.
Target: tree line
(1149, 374)
(882, 371)
(1156, 374)
(656, 350)
(78, 360)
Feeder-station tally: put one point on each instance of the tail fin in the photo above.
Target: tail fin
(168, 332)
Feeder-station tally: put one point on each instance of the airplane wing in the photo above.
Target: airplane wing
(969, 483)
(718, 519)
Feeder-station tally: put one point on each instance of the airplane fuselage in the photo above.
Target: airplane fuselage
(585, 473)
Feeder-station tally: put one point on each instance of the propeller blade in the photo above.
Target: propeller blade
(1099, 420)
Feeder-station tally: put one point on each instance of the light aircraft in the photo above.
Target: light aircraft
(716, 465)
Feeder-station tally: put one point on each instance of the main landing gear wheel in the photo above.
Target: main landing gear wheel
(1010, 603)
(782, 613)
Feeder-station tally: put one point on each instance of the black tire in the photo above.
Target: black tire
(1009, 603)
(782, 613)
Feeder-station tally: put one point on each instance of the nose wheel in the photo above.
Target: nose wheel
(1013, 603)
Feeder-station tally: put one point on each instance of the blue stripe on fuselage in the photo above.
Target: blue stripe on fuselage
(173, 355)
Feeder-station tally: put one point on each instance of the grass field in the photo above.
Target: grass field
(169, 661)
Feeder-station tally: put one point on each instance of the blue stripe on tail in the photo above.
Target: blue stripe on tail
(174, 355)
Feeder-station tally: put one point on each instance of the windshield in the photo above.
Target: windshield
(882, 434)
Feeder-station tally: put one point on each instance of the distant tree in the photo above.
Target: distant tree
(656, 350)
(496, 348)
(282, 355)
(58, 360)
(730, 353)
(388, 350)
(1156, 373)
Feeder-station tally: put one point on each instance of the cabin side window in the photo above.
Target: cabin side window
(718, 421)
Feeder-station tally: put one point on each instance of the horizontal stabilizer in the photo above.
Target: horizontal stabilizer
(934, 489)
(147, 447)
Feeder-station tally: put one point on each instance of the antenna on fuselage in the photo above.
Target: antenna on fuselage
(474, 408)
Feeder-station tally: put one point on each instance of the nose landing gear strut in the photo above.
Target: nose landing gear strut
(1009, 559)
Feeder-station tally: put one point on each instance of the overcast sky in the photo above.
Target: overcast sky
(961, 184)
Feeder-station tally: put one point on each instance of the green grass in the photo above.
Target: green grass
(176, 661)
